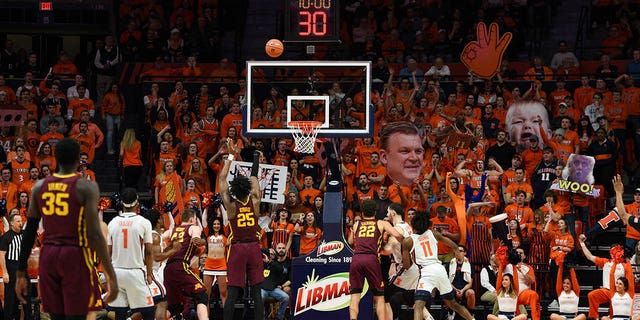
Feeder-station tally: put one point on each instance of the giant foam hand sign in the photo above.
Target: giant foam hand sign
(484, 55)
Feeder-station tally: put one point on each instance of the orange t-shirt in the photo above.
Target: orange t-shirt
(515, 186)
(309, 238)
(565, 240)
(10, 193)
(79, 105)
(448, 225)
(131, 157)
(530, 160)
(112, 104)
(523, 215)
(582, 97)
(310, 193)
(631, 97)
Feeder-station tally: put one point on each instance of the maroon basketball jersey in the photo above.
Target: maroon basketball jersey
(368, 237)
(63, 216)
(244, 226)
(187, 249)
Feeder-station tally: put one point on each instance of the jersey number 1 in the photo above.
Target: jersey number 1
(125, 236)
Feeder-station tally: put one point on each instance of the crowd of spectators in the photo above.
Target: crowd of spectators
(425, 30)
(520, 137)
(45, 106)
(171, 29)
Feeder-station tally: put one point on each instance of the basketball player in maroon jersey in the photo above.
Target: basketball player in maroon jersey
(367, 236)
(178, 276)
(69, 207)
(241, 198)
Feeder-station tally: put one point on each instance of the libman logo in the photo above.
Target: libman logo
(330, 248)
(327, 294)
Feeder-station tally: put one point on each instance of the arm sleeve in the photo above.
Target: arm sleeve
(574, 282)
(559, 279)
(628, 273)
(600, 262)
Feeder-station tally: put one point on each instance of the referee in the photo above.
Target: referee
(9, 255)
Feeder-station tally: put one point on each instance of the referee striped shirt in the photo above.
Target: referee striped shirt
(10, 243)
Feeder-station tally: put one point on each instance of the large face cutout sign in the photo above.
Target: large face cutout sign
(484, 56)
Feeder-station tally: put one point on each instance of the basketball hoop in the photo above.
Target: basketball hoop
(304, 134)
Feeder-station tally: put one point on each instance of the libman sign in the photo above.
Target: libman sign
(331, 293)
(321, 278)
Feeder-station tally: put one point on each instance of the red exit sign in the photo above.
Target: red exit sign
(45, 6)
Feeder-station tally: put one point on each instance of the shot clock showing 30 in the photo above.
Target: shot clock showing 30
(311, 21)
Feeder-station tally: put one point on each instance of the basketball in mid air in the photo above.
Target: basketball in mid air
(274, 48)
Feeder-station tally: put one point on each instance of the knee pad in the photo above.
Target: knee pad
(201, 298)
(424, 295)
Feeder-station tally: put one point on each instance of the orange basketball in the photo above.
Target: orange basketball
(274, 48)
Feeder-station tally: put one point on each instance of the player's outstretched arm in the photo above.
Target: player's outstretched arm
(351, 237)
(255, 183)
(444, 239)
(158, 254)
(388, 228)
(407, 246)
(195, 232)
(223, 185)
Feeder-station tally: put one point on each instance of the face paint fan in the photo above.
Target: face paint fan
(304, 134)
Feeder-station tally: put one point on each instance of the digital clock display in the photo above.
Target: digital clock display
(311, 20)
(45, 6)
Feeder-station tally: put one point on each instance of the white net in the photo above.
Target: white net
(304, 134)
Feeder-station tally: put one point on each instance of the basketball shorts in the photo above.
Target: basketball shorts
(65, 290)
(157, 289)
(245, 260)
(134, 291)
(181, 280)
(434, 276)
(366, 266)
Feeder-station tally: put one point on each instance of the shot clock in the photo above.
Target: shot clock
(311, 21)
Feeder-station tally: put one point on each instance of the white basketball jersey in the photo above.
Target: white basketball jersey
(157, 264)
(397, 248)
(425, 248)
(128, 233)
